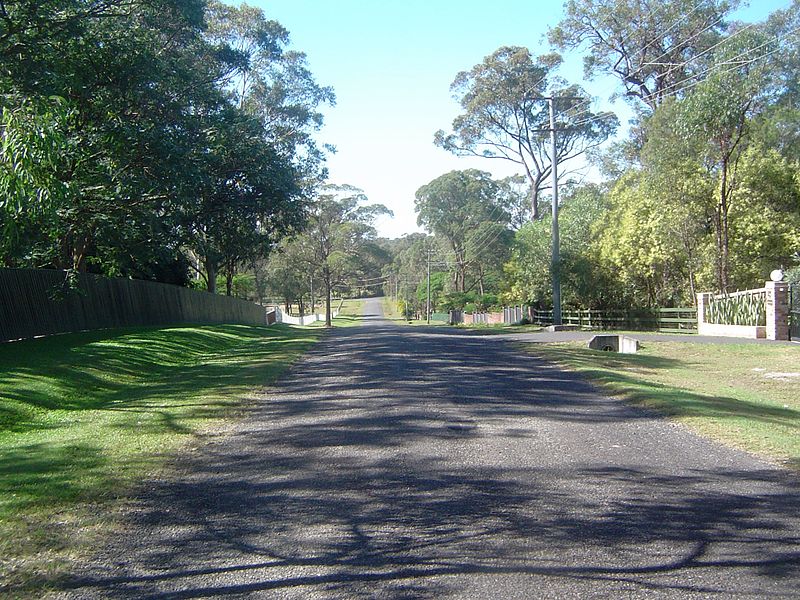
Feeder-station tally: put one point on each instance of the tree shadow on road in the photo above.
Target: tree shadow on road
(362, 477)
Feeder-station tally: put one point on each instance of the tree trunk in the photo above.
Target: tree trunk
(725, 267)
(722, 230)
(534, 197)
(211, 275)
(326, 276)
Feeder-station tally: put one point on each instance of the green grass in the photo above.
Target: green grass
(741, 394)
(351, 313)
(390, 311)
(85, 416)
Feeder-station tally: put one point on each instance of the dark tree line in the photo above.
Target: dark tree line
(147, 138)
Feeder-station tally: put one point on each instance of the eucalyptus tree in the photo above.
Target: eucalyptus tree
(506, 116)
(247, 197)
(409, 264)
(778, 126)
(339, 233)
(285, 274)
(453, 206)
(487, 248)
(714, 119)
(653, 47)
(272, 82)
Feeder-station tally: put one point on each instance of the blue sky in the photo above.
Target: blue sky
(391, 64)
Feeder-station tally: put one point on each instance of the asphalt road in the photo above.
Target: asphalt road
(425, 463)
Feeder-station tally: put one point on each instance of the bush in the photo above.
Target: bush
(459, 301)
(488, 302)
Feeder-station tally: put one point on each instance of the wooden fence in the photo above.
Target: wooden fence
(36, 302)
(665, 320)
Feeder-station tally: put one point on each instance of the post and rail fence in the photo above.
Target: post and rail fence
(664, 320)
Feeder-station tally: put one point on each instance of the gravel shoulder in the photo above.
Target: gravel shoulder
(429, 463)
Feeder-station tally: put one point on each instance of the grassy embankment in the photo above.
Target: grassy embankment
(745, 395)
(85, 416)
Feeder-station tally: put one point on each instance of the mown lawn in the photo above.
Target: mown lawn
(746, 395)
(83, 417)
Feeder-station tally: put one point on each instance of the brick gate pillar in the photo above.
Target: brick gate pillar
(777, 310)
(702, 302)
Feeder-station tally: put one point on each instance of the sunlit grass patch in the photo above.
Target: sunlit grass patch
(84, 416)
(747, 395)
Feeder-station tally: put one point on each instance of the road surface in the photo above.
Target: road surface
(401, 462)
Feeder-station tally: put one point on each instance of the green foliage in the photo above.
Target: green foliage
(438, 282)
(505, 115)
(585, 281)
(122, 144)
(461, 209)
(654, 238)
(764, 217)
(654, 49)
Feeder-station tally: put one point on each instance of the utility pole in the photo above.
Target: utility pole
(428, 308)
(313, 312)
(556, 258)
(555, 263)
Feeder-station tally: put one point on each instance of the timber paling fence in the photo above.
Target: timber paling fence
(38, 302)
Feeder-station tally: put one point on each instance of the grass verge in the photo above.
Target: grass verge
(746, 395)
(351, 313)
(85, 416)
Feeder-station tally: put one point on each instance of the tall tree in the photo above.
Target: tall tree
(506, 115)
(653, 47)
(340, 228)
(715, 115)
(247, 198)
(453, 205)
(272, 82)
(128, 75)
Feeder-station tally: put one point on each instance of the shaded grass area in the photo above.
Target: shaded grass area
(746, 395)
(84, 416)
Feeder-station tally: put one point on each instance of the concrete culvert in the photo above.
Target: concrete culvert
(614, 343)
